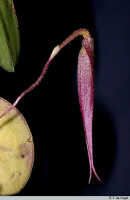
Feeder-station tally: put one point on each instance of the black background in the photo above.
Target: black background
(52, 109)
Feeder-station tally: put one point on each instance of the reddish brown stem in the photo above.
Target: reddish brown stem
(56, 50)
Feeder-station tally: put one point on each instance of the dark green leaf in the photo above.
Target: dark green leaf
(9, 35)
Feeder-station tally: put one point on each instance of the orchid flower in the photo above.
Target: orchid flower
(85, 87)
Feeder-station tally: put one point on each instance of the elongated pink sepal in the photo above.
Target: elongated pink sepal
(85, 87)
(85, 93)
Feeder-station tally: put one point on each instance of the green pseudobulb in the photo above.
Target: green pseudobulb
(9, 36)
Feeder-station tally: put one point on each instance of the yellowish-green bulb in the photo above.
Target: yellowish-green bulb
(16, 151)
